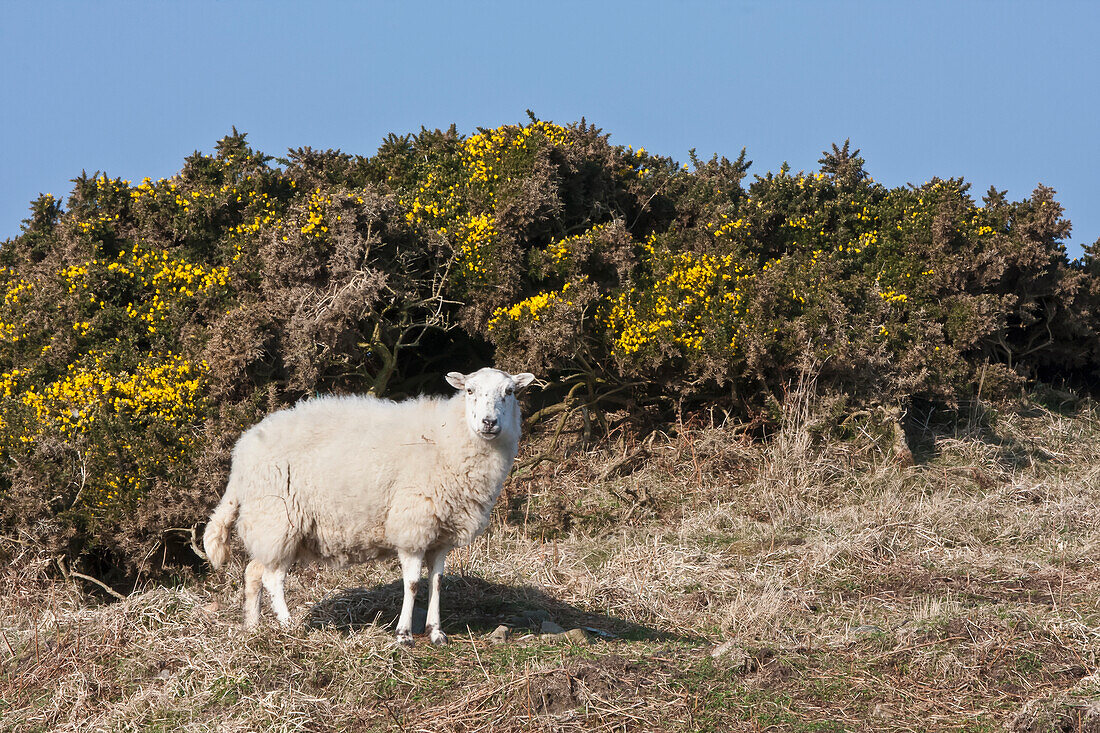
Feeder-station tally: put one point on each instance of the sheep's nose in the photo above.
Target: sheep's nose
(489, 422)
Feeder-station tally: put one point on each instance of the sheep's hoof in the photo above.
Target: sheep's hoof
(438, 638)
(404, 638)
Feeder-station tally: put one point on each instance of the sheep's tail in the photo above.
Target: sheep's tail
(216, 537)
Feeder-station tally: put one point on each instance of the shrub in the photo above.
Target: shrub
(143, 327)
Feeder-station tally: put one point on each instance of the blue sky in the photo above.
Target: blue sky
(1003, 93)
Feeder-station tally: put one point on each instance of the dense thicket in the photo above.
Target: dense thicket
(143, 326)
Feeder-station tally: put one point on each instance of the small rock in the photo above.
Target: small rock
(600, 632)
(573, 636)
(549, 627)
(723, 649)
(164, 673)
(884, 711)
(868, 629)
(528, 637)
(500, 635)
(734, 657)
(577, 636)
(212, 607)
(536, 615)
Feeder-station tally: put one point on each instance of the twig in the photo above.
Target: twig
(4, 636)
(195, 543)
(68, 574)
(640, 452)
(478, 656)
(111, 591)
(83, 480)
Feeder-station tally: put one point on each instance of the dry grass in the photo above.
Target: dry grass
(956, 594)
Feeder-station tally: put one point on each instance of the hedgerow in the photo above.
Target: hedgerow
(144, 326)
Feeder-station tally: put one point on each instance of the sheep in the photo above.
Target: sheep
(350, 479)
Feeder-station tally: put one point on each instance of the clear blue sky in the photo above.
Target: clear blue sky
(1004, 93)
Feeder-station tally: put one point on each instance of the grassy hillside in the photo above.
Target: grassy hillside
(857, 593)
(797, 465)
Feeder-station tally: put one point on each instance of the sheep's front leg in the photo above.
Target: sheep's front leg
(273, 579)
(433, 625)
(411, 564)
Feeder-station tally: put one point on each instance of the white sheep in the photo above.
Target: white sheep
(348, 479)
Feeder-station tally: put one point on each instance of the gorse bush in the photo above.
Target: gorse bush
(143, 327)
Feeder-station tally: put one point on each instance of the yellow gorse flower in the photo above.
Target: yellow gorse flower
(699, 301)
(457, 199)
(165, 388)
(314, 225)
(12, 329)
(562, 251)
(157, 272)
(530, 308)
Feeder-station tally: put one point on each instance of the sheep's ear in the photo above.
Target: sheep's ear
(456, 379)
(522, 380)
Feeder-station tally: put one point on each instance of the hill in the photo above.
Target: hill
(839, 590)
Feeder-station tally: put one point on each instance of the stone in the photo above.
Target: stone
(884, 711)
(549, 627)
(734, 657)
(500, 635)
(602, 633)
(577, 636)
(868, 629)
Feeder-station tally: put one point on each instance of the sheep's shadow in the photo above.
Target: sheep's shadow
(473, 603)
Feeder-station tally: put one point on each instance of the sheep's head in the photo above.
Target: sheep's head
(491, 406)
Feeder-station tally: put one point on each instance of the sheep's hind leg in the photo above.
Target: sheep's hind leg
(274, 579)
(411, 564)
(435, 569)
(253, 575)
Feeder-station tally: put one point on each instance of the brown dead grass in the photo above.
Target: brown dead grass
(956, 594)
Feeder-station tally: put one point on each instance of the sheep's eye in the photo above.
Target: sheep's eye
(509, 391)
